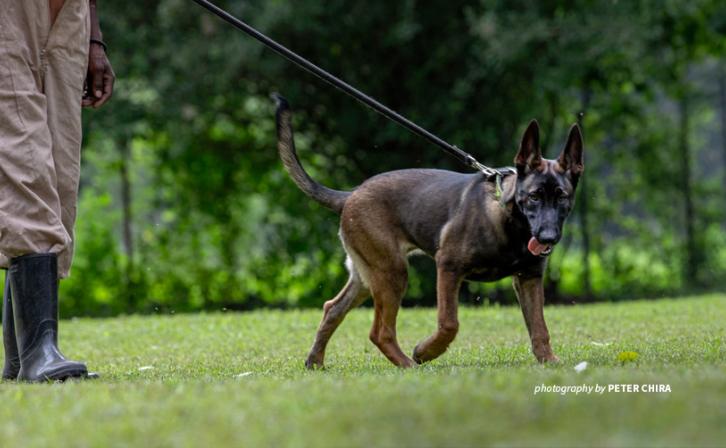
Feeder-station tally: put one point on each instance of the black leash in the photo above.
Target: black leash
(464, 157)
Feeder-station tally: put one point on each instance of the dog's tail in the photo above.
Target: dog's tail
(333, 199)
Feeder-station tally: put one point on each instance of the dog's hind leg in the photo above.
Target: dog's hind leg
(387, 288)
(447, 291)
(353, 294)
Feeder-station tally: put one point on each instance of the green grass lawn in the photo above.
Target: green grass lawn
(232, 379)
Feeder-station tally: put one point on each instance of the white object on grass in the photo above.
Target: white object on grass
(141, 369)
(242, 375)
(580, 367)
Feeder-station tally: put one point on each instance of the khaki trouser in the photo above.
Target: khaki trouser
(42, 70)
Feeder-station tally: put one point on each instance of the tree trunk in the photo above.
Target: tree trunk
(722, 104)
(692, 255)
(584, 208)
(126, 201)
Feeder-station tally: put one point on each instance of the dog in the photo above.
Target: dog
(475, 229)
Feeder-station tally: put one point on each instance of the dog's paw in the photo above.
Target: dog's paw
(549, 358)
(314, 363)
(416, 356)
(408, 364)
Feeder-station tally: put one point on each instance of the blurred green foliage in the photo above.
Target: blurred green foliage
(185, 206)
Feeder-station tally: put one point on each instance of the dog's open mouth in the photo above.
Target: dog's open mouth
(538, 249)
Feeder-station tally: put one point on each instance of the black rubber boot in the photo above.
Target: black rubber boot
(12, 360)
(34, 285)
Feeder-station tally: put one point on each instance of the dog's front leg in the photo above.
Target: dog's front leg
(530, 293)
(447, 292)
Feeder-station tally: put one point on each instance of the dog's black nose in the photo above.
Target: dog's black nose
(548, 236)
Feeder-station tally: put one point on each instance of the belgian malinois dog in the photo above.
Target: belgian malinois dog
(472, 230)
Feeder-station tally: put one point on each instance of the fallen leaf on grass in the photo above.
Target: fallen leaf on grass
(627, 357)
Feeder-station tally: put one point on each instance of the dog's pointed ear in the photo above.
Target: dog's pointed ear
(571, 158)
(530, 154)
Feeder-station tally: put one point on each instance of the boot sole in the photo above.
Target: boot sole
(64, 374)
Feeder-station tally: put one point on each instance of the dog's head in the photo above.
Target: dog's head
(545, 190)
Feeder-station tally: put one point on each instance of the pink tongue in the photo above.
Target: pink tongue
(536, 247)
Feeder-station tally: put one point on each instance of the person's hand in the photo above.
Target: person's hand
(98, 87)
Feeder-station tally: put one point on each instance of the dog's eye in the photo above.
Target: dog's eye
(535, 196)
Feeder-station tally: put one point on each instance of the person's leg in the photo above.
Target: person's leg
(33, 219)
(67, 59)
(30, 208)
(12, 358)
(29, 204)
